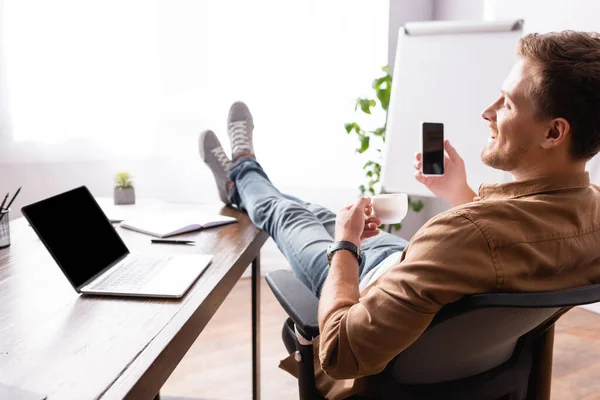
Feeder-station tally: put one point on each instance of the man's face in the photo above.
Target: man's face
(514, 130)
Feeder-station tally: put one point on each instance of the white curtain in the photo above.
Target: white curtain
(142, 78)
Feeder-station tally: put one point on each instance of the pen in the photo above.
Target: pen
(4, 201)
(173, 241)
(9, 203)
(13, 198)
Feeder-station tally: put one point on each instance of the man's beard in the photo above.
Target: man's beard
(504, 160)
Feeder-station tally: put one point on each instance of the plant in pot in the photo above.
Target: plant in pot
(371, 142)
(124, 191)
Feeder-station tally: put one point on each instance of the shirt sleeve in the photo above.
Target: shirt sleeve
(448, 258)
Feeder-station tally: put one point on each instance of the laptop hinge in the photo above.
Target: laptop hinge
(118, 260)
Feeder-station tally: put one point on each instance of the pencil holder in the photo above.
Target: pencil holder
(4, 229)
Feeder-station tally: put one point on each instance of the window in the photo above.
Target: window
(145, 77)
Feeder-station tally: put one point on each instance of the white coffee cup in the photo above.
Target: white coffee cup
(390, 208)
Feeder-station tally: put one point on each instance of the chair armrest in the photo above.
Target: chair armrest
(297, 300)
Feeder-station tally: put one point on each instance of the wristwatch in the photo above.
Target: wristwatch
(344, 245)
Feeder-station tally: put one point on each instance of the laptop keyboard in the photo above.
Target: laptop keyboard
(132, 273)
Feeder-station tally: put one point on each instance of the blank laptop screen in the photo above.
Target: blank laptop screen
(77, 233)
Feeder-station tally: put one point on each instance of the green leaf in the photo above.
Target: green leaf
(365, 105)
(368, 164)
(384, 97)
(416, 207)
(379, 132)
(386, 69)
(370, 174)
(364, 144)
(372, 191)
(377, 83)
(362, 189)
(365, 108)
(397, 227)
(352, 126)
(123, 180)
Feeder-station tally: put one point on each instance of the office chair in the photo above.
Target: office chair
(484, 346)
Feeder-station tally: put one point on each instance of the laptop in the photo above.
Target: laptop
(94, 258)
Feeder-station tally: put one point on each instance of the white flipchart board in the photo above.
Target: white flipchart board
(446, 71)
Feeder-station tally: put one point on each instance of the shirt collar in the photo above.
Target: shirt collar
(516, 189)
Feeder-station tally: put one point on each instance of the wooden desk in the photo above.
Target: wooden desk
(66, 346)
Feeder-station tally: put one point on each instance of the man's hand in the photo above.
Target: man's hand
(452, 186)
(355, 223)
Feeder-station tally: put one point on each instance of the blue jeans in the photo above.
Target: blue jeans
(301, 230)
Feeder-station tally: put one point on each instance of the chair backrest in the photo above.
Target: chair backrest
(480, 332)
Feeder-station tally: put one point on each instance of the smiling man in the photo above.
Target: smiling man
(540, 232)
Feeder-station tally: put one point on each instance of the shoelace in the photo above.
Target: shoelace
(221, 156)
(239, 137)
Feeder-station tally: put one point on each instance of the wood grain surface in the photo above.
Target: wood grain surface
(66, 346)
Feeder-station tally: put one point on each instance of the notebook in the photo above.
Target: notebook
(14, 393)
(170, 224)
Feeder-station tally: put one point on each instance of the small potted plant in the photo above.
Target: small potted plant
(124, 191)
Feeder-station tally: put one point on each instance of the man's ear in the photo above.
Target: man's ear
(558, 130)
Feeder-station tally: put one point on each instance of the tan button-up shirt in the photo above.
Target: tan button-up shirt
(527, 236)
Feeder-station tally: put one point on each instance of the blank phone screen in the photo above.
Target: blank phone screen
(433, 148)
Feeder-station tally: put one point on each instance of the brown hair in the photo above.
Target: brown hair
(569, 84)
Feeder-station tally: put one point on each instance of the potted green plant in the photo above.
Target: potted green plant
(124, 191)
(374, 140)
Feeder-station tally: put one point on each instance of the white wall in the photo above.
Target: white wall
(401, 12)
(548, 15)
(458, 9)
(540, 15)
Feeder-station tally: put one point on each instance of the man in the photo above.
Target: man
(538, 233)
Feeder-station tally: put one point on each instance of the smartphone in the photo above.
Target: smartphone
(432, 148)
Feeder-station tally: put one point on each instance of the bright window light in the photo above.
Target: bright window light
(121, 73)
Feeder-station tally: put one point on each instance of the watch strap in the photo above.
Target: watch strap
(344, 245)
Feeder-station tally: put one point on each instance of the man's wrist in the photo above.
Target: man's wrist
(346, 257)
